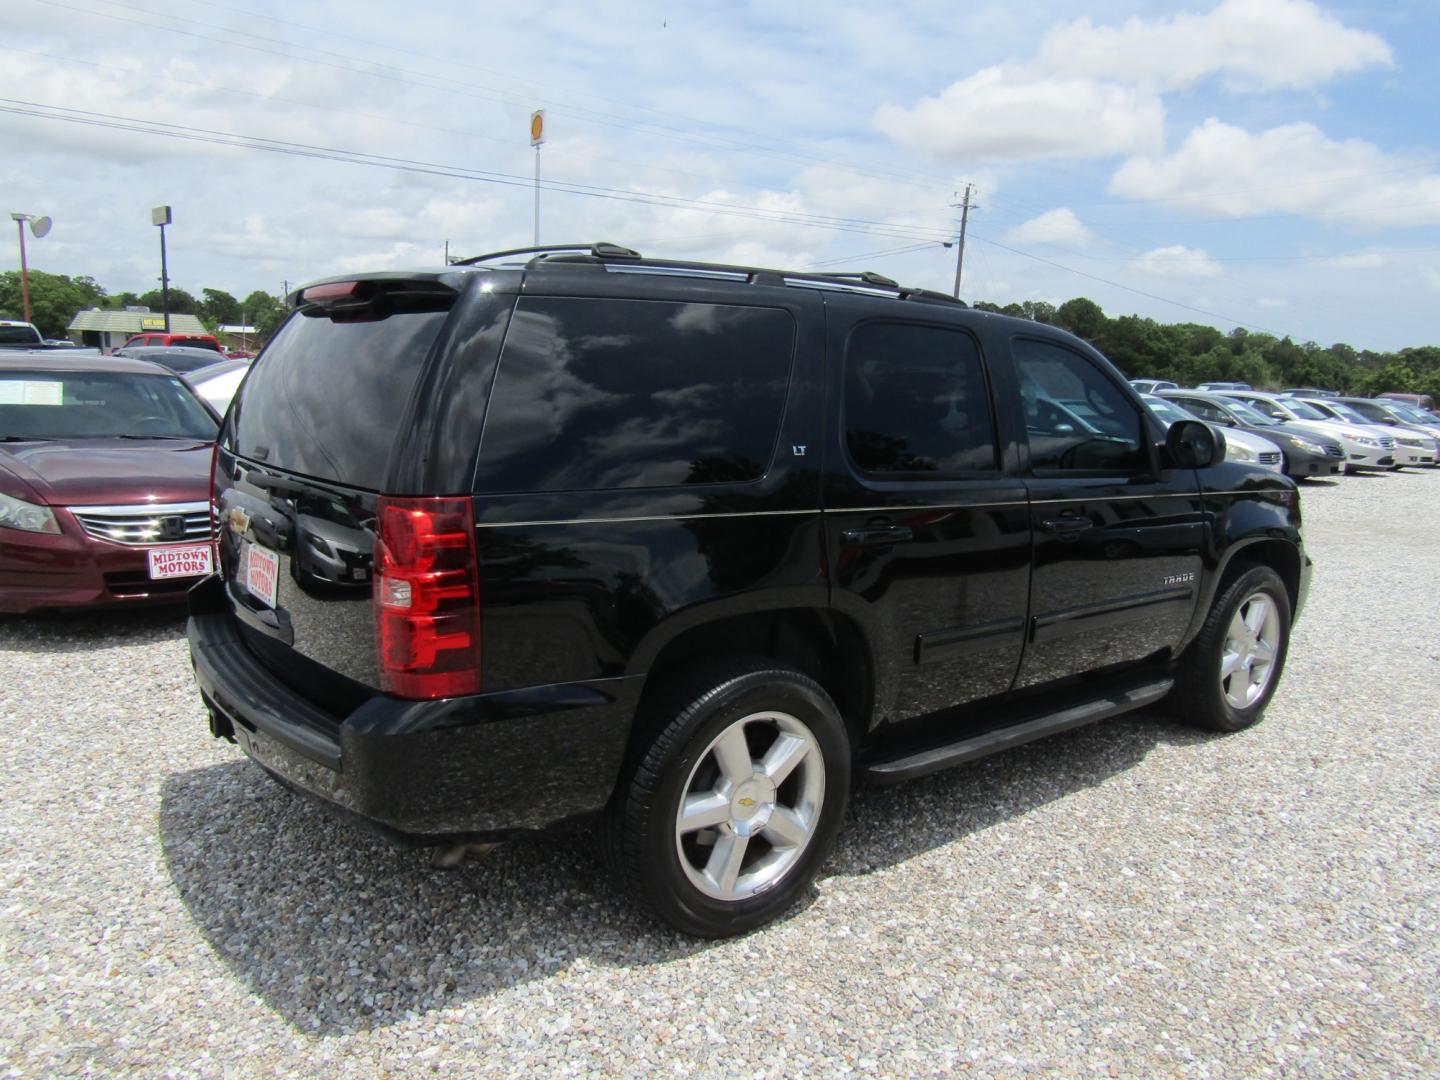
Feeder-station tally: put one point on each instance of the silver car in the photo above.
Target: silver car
(1413, 440)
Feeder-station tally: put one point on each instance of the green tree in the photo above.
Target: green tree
(181, 302)
(1081, 317)
(264, 312)
(54, 299)
(218, 308)
(1039, 311)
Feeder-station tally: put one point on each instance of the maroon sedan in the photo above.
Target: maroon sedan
(104, 482)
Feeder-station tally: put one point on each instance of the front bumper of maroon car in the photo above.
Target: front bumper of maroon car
(102, 557)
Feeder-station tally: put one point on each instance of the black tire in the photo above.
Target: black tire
(1200, 696)
(643, 838)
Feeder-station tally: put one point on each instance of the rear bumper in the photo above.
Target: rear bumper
(486, 766)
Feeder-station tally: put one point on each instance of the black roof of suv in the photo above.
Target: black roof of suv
(573, 536)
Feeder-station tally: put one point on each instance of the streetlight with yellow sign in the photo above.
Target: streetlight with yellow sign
(537, 137)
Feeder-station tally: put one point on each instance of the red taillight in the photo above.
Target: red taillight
(427, 597)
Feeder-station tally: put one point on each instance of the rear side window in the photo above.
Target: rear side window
(605, 394)
(916, 403)
(327, 397)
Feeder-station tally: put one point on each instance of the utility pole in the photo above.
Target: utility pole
(960, 245)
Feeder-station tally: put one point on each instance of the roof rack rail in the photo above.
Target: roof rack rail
(600, 250)
(603, 252)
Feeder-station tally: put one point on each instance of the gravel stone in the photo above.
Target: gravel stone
(1130, 899)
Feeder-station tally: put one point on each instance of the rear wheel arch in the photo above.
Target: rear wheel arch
(826, 646)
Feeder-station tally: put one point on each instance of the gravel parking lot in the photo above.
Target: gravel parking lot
(1129, 899)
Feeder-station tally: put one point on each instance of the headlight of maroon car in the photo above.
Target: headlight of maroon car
(19, 514)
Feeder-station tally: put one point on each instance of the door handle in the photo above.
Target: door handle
(873, 535)
(1067, 526)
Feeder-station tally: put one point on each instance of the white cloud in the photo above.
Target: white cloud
(1363, 260)
(1001, 114)
(1094, 90)
(1432, 276)
(1294, 169)
(1059, 226)
(1271, 302)
(1176, 260)
(1252, 44)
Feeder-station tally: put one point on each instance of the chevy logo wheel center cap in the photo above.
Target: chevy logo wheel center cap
(751, 805)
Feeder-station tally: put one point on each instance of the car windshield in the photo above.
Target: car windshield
(1304, 411)
(1345, 412)
(1168, 411)
(1411, 414)
(99, 405)
(1375, 412)
(18, 335)
(1248, 414)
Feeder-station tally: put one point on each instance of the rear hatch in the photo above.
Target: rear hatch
(338, 414)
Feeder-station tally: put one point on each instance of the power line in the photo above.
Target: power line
(306, 150)
(428, 81)
(1127, 288)
(885, 253)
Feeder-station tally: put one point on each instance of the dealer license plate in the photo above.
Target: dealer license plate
(262, 573)
(180, 562)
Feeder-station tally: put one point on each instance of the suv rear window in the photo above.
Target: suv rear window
(604, 394)
(327, 397)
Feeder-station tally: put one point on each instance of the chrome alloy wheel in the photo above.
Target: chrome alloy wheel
(750, 806)
(1252, 641)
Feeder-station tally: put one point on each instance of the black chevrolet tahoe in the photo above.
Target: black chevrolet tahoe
(681, 551)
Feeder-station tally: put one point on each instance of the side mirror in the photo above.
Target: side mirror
(1193, 445)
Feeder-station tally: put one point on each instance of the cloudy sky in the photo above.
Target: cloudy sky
(1266, 163)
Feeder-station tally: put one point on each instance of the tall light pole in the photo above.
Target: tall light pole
(161, 216)
(537, 137)
(39, 226)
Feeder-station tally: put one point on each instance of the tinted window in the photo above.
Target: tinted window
(99, 405)
(327, 397)
(598, 394)
(916, 402)
(1075, 417)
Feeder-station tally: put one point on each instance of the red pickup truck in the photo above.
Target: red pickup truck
(193, 341)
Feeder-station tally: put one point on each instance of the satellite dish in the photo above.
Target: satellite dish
(40, 226)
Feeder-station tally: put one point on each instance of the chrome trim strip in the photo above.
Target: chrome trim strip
(142, 509)
(640, 518)
(921, 506)
(1114, 497)
(837, 510)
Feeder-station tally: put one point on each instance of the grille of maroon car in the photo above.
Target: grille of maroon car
(168, 523)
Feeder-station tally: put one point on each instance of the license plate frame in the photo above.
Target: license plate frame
(190, 560)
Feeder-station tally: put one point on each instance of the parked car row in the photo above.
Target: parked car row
(1310, 433)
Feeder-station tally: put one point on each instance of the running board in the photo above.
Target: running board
(935, 758)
